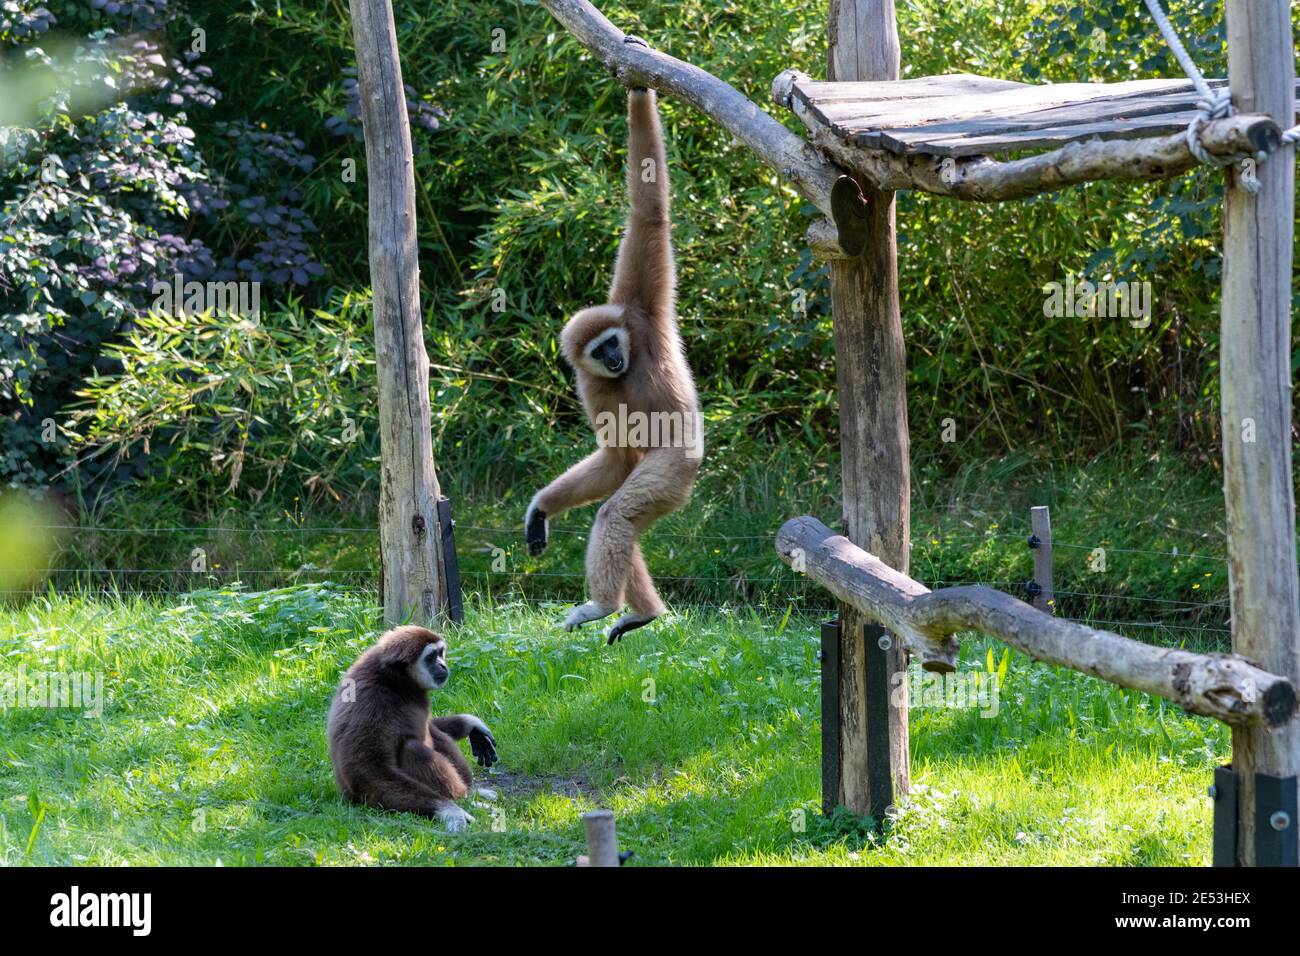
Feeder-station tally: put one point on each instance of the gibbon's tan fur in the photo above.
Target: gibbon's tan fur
(386, 750)
(639, 326)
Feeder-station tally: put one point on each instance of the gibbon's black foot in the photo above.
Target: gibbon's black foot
(535, 531)
(628, 622)
(484, 747)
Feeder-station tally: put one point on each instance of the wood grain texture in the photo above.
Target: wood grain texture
(980, 179)
(806, 169)
(925, 87)
(1255, 386)
(602, 838)
(1007, 109)
(871, 377)
(1227, 687)
(974, 116)
(1083, 158)
(408, 487)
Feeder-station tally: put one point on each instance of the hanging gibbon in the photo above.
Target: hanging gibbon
(638, 393)
(386, 750)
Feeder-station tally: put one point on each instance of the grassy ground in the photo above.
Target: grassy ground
(702, 733)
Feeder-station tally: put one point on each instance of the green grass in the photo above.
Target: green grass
(701, 733)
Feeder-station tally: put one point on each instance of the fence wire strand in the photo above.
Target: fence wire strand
(754, 591)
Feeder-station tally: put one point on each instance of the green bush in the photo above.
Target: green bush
(262, 402)
(519, 175)
(523, 189)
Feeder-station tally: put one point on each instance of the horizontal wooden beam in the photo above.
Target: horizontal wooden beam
(981, 179)
(636, 64)
(1226, 687)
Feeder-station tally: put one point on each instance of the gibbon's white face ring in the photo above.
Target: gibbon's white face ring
(430, 672)
(607, 356)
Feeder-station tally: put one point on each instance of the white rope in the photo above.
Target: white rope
(1212, 105)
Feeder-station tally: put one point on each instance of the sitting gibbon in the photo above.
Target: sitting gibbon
(387, 752)
(630, 368)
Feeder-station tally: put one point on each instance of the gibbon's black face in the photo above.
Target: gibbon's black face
(607, 354)
(431, 670)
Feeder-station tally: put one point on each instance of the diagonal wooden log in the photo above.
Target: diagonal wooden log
(1226, 687)
(980, 179)
(840, 233)
(635, 64)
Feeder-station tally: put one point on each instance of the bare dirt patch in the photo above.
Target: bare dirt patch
(525, 785)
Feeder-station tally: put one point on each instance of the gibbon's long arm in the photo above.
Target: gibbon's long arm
(644, 273)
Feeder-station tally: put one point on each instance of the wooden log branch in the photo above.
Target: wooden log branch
(633, 64)
(1226, 687)
(981, 179)
(824, 240)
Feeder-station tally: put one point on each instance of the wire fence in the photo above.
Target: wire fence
(771, 586)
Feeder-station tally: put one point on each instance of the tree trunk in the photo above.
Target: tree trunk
(408, 488)
(1255, 382)
(871, 379)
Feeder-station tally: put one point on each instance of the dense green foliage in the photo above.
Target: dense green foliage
(520, 145)
(525, 178)
(105, 191)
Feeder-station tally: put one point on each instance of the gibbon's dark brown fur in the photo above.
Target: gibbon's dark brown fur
(386, 750)
(629, 360)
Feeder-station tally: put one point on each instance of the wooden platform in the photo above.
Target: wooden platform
(966, 115)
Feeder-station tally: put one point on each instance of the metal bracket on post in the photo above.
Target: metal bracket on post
(1224, 793)
(830, 658)
(1275, 819)
(877, 643)
(851, 216)
(1040, 542)
(453, 599)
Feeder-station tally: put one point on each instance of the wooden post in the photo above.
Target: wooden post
(1255, 383)
(602, 838)
(1040, 540)
(872, 386)
(408, 487)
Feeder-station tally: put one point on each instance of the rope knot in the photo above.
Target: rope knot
(1212, 105)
